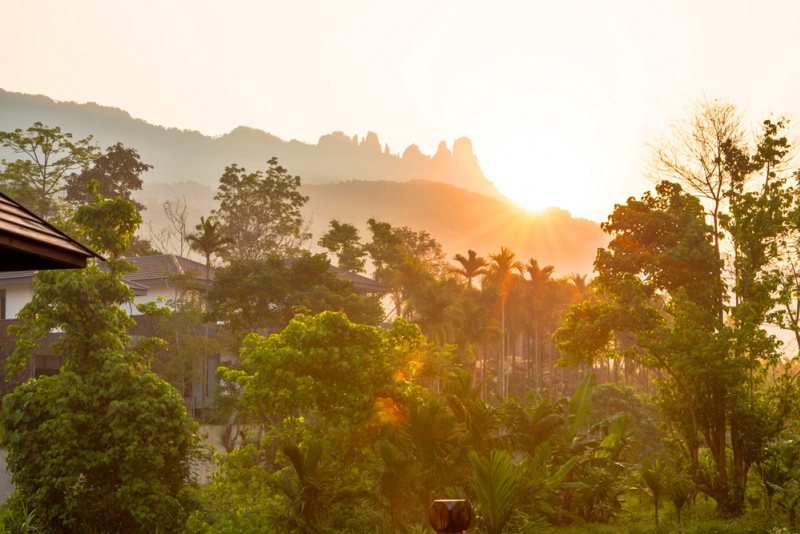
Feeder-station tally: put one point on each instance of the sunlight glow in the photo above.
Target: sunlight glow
(538, 169)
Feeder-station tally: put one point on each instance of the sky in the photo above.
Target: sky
(559, 98)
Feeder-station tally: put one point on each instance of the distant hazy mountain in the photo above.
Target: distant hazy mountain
(346, 178)
(180, 155)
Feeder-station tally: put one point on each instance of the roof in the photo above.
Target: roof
(29, 242)
(150, 268)
(16, 277)
(167, 265)
(360, 283)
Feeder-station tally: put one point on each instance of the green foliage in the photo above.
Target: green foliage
(107, 225)
(610, 400)
(343, 240)
(183, 358)
(39, 178)
(85, 305)
(117, 174)
(261, 296)
(209, 240)
(105, 444)
(323, 367)
(497, 488)
(666, 305)
(260, 212)
(109, 450)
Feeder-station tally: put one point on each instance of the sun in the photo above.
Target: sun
(538, 170)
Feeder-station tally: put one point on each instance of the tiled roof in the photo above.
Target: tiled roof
(360, 282)
(167, 265)
(150, 268)
(16, 275)
(29, 242)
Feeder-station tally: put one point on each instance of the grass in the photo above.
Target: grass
(699, 519)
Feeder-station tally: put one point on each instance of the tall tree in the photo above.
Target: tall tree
(112, 443)
(263, 296)
(260, 211)
(472, 266)
(696, 313)
(539, 286)
(208, 240)
(343, 240)
(404, 259)
(39, 178)
(504, 270)
(117, 172)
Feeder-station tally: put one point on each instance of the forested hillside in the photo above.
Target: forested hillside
(457, 218)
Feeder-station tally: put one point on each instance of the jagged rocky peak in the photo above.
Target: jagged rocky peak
(338, 137)
(413, 153)
(442, 153)
(462, 150)
(371, 142)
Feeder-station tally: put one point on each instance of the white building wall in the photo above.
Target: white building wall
(17, 296)
(159, 294)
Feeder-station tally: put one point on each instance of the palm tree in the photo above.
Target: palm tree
(652, 481)
(540, 279)
(502, 276)
(208, 240)
(580, 283)
(471, 266)
(407, 282)
(497, 486)
(476, 328)
(435, 310)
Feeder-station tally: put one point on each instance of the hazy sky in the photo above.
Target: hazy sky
(558, 97)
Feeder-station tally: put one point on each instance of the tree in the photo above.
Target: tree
(105, 444)
(696, 313)
(503, 272)
(39, 178)
(260, 212)
(263, 296)
(540, 288)
(343, 240)
(208, 240)
(404, 259)
(117, 172)
(324, 368)
(472, 266)
(692, 154)
(435, 305)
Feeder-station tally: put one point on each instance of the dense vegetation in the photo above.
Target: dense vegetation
(655, 396)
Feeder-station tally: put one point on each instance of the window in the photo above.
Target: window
(2, 303)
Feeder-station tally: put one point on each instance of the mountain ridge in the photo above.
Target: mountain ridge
(188, 164)
(202, 158)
